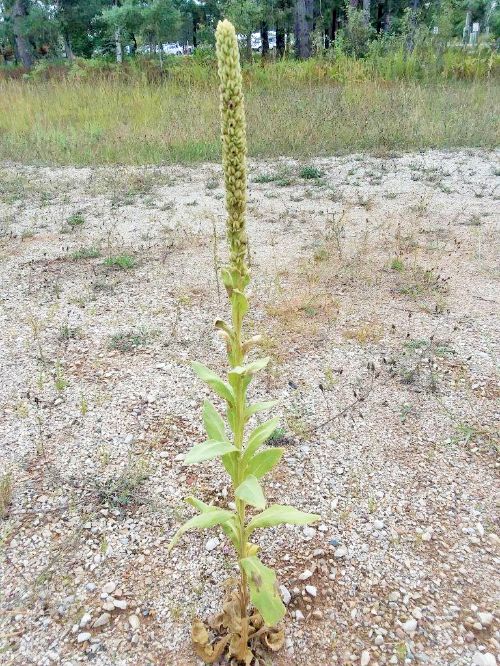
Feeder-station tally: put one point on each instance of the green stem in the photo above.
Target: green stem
(238, 358)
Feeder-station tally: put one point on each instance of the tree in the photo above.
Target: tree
(303, 27)
(246, 16)
(18, 13)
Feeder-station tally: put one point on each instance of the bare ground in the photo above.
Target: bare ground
(376, 286)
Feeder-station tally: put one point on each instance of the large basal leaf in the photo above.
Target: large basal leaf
(264, 461)
(250, 492)
(263, 590)
(202, 521)
(215, 382)
(214, 425)
(258, 436)
(208, 450)
(279, 514)
(260, 407)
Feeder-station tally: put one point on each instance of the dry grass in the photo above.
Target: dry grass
(113, 122)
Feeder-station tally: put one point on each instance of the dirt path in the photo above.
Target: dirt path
(376, 286)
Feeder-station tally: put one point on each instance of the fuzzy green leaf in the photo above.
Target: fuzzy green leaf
(260, 407)
(258, 436)
(263, 461)
(278, 514)
(215, 382)
(229, 528)
(214, 425)
(251, 492)
(247, 371)
(208, 450)
(201, 521)
(229, 462)
(263, 590)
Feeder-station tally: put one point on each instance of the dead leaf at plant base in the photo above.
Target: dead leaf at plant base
(261, 638)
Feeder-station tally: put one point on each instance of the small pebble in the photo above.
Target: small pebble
(365, 658)
(84, 636)
(212, 544)
(134, 622)
(109, 588)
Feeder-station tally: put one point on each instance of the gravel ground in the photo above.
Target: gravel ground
(376, 287)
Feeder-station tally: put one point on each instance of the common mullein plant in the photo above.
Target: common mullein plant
(253, 607)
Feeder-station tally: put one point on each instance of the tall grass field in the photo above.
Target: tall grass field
(300, 113)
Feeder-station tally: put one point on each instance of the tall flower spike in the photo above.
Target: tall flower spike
(234, 144)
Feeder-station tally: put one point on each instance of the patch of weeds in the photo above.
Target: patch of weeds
(5, 494)
(397, 265)
(364, 333)
(86, 253)
(67, 332)
(390, 195)
(102, 286)
(128, 341)
(464, 434)
(278, 436)
(405, 410)
(123, 490)
(121, 261)
(212, 183)
(75, 220)
(401, 651)
(310, 172)
(27, 234)
(284, 181)
(321, 254)
(264, 178)
(60, 381)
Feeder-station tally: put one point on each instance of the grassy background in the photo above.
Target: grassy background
(85, 122)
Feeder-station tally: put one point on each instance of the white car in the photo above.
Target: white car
(173, 49)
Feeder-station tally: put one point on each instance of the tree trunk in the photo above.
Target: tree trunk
(23, 49)
(366, 10)
(195, 28)
(354, 3)
(264, 38)
(333, 24)
(118, 47)
(387, 20)
(280, 41)
(133, 50)
(303, 27)
(67, 47)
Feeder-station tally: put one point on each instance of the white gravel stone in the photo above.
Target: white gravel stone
(410, 626)
(84, 636)
(134, 622)
(109, 588)
(485, 618)
(212, 544)
(483, 659)
(365, 658)
(305, 574)
(285, 595)
(341, 551)
(311, 590)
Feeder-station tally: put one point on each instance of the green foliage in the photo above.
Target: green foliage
(75, 220)
(121, 261)
(86, 253)
(310, 173)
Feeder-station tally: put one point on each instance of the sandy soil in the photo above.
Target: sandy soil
(376, 287)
